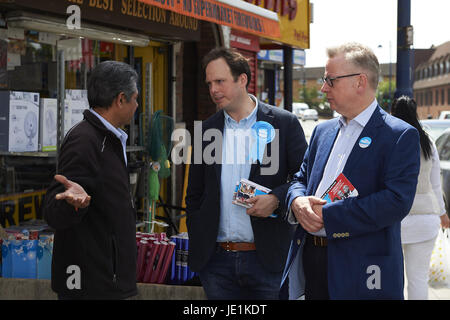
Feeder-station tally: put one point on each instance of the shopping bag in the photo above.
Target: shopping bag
(439, 273)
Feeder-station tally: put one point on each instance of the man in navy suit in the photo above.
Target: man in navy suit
(240, 253)
(351, 248)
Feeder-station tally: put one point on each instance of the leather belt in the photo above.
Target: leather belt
(237, 246)
(318, 241)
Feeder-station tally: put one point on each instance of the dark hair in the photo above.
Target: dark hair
(237, 62)
(405, 108)
(107, 80)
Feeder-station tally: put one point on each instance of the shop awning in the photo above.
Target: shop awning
(237, 14)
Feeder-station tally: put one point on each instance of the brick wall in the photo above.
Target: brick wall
(427, 103)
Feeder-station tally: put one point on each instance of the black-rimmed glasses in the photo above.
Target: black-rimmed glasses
(329, 80)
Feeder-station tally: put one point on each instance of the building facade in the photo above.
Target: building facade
(432, 83)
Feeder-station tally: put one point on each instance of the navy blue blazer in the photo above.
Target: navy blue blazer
(272, 235)
(365, 259)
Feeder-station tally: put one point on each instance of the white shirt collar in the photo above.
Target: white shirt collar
(228, 118)
(119, 133)
(363, 117)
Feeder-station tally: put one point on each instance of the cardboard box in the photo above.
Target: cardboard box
(48, 114)
(23, 255)
(19, 121)
(74, 105)
(6, 259)
(44, 256)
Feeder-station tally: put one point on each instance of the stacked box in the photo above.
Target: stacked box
(27, 253)
(24, 263)
(19, 121)
(74, 105)
(48, 115)
(44, 256)
(6, 259)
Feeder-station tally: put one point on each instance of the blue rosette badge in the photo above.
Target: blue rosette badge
(263, 133)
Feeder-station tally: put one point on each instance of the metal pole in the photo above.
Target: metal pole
(60, 73)
(404, 52)
(288, 70)
(132, 139)
(390, 72)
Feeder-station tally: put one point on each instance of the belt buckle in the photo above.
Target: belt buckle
(227, 247)
(319, 241)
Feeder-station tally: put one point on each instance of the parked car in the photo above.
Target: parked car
(443, 147)
(435, 127)
(298, 108)
(444, 115)
(310, 114)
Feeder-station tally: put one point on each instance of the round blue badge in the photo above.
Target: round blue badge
(263, 133)
(365, 142)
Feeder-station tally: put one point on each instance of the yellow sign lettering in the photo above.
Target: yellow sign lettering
(18, 208)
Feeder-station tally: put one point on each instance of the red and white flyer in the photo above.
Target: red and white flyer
(340, 189)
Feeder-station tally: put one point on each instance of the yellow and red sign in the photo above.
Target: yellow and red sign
(20, 207)
(222, 13)
(294, 16)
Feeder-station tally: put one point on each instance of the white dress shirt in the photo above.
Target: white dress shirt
(235, 224)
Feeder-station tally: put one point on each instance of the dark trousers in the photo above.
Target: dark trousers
(238, 276)
(315, 262)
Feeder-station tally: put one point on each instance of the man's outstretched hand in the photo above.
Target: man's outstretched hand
(74, 194)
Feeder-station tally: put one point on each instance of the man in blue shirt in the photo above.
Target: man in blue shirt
(239, 252)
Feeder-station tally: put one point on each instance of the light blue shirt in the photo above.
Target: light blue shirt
(346, 139)
(119, 133)
(235, 224)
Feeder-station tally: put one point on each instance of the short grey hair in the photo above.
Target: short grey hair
(107, 80)
(360, 56)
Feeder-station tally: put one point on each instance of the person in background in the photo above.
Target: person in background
(420, 227)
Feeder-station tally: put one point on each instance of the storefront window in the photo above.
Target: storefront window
(29, 64)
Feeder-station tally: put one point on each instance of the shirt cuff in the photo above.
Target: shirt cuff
(291, 217)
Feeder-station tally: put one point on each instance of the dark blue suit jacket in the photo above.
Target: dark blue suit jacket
(272, 235)
(365, 259)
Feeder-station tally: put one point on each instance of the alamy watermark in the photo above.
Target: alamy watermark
(74, 19)
(242, 147)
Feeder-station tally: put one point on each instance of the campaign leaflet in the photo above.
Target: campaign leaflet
(246, 189)
(340, 189)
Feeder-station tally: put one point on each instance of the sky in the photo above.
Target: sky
(374, 23)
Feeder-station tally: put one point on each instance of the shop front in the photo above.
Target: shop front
(47, 51)
(44, 44)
